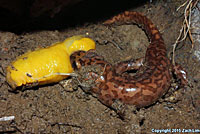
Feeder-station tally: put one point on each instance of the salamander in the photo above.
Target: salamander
(142, 89)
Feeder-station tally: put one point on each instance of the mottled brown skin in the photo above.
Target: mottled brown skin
(142, 89)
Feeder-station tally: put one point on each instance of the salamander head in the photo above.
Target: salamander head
(75, 59)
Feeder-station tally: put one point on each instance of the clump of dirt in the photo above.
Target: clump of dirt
(52, 109)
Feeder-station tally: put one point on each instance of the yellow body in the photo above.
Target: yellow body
(44, 66)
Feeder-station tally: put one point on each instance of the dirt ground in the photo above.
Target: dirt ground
(52, 109)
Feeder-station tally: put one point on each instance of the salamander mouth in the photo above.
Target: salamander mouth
(74, 66)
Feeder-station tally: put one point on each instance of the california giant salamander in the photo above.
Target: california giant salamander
(142, 89)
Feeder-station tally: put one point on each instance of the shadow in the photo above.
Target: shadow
(87, 11)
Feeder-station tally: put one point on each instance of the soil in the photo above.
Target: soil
(53, 109)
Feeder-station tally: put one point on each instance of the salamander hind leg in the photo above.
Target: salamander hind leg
(180, 73)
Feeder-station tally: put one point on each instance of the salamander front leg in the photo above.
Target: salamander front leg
(133, 64)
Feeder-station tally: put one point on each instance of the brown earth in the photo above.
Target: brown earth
(51, 109)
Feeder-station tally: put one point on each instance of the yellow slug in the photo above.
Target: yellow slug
(46, 65)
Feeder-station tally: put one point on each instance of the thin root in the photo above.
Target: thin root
(185, 29)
